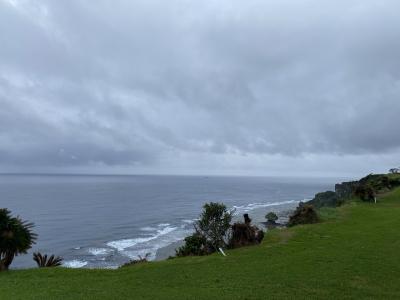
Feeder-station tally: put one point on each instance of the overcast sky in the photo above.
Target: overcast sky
(260, 87)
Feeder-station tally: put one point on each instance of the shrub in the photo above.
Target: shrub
(365, 192)
(195, 244)
(43, 262)
(325, 199)
(16, 237)
(394, 182)
(214, 224)
(244, 234)
(271, 217)
(304, 214)
(140, 260)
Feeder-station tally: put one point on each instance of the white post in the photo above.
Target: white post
(222, 251)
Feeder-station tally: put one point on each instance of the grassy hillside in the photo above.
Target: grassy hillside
(353, 254)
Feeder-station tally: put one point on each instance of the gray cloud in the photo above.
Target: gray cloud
(210, 86)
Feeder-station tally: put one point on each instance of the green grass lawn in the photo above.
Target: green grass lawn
(353, 254)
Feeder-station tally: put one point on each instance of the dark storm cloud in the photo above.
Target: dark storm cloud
(159, 84)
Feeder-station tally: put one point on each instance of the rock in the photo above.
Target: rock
(345, 190)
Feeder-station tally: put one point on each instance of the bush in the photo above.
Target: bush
(195, 244)
(16, 237)
(304, 214)
(365, 192)
(244, 234)
(134, 262)
(271, 217)
(325, 199)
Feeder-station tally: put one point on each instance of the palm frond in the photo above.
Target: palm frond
(43, 262)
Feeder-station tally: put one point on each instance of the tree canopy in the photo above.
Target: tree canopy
(16, 237)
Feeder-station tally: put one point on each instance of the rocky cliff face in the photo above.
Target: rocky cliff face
(374, 183)
(345, 190)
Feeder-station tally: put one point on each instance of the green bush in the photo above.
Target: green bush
(326, 199)
(139, 260)
(195, 244)
(365, 192)
(271, 217)
(304, 214)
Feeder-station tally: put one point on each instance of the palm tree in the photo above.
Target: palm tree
(43, 261)
(16, 237)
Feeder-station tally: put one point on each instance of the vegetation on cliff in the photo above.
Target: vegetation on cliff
(366, 189)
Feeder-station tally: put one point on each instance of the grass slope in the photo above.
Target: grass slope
(354, 254)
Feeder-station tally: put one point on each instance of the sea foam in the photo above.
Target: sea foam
(252, 206)
(99, 251)
(123, 244)
(75, 263)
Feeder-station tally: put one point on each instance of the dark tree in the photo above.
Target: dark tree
(394, 170)
(16, 237)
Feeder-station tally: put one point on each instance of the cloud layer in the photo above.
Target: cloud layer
(256, 87)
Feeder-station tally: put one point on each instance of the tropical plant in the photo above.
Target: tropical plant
(44, 262)
(16, 237)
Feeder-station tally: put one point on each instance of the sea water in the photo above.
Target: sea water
(105, 221)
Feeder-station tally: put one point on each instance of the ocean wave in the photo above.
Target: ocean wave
(99, 251)
(153, 246)
(148, 228)
(165, 234)
(121, 245)
(75, 263)
(252, 206)
(189, 221)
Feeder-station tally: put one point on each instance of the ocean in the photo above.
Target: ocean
(105, 221)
